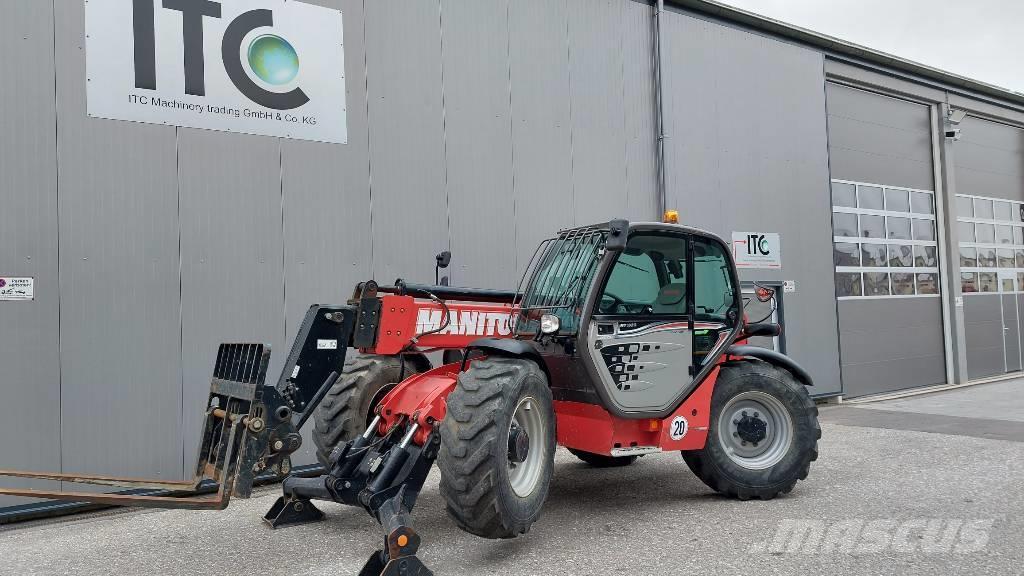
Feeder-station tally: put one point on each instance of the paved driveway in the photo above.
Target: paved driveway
(885, 497)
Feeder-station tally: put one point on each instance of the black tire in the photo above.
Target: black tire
(474, 453)
(342, 414)
(714, 466)
(602, 461)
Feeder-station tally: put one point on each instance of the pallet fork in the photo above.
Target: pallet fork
(251, 429)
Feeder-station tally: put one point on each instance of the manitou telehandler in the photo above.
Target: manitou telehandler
(623, 339)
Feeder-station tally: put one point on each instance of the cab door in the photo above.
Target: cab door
(640, 338)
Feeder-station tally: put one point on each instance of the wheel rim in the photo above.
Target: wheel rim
(755, 430)
(524, 475)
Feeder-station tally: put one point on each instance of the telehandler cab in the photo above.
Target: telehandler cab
(623, 339)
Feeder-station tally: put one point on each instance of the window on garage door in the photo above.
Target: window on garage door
(991, 244)
(885, 243)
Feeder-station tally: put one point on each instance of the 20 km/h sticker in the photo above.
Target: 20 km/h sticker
(679, 428)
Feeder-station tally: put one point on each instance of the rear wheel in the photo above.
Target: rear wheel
(348, 406)
(763, 436)
(497, 447)
(602, 461)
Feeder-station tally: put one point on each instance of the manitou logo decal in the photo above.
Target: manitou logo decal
(464, 322)
(271, 67)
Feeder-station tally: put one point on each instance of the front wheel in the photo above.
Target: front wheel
(497, 447)
(763, 436)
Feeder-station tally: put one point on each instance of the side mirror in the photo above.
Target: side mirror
(618, 234)
(443, 260)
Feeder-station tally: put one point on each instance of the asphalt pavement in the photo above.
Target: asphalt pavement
(884, 497)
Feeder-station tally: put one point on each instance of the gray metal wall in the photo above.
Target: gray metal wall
(885, 344)
(479, 127)
(747, 152)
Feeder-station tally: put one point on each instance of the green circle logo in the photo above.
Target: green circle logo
(273, 59)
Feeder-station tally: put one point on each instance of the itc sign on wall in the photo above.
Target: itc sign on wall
(270, 67)
(757, 250)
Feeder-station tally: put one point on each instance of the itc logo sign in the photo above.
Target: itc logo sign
(757, 245)
(268, 57)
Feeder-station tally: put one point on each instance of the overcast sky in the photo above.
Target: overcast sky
(981, 39)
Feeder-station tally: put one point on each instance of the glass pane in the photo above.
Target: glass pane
(1020, 258)
(870, 198)
(983, 209)
(1018, 212)
(896, 200)
(1003, 212)
(924, 230)
(1018, 236)
(1020, 278)
(1006, 258)
(1004, 235)
(926, 256)
(846, 254)
(844, 195)
(899, 228)
(901, 256)
(986, 233)
(987, 282)
(968, 282)
(921, 203)
(966, 232)
(902, 284)
(872, 226)
(714, 294)
(927, 283)
(844, 224)
(876, 284)
(873, 254)
(1007, 284)
(969, 257)
(634, 281)
(848, 284)
(986, 257)
(964, 207)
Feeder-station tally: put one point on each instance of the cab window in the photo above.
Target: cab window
(714, 293)
(649, 277)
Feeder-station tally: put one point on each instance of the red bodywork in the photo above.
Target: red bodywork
(422, 397)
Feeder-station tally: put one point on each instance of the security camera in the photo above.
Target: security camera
(953, 134)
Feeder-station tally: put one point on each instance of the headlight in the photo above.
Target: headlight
(549, 324)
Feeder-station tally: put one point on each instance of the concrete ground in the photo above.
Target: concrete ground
(897, 490)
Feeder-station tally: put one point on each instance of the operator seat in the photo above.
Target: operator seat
(671, 299)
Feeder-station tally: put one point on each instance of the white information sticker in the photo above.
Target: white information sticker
(679, 428)
(17, 289)
(326, 344)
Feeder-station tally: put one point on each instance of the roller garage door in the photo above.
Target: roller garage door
(989, 172)
(885, 242)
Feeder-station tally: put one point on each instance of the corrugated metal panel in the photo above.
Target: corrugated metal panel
(120, 363)
(640, 114)
(989, 160)
(407, 161)
(747, 152)
(478, 142)
(541, 128)
(327, 205)
(874, 138)
(891, 344)
(30, 377)
(598, 123)
(232, 277)
(983, 328)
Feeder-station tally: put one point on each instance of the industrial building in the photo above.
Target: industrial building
(482, 127)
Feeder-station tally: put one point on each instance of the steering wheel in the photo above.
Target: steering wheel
(610, 303)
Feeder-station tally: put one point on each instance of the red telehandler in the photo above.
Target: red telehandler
(623, 339)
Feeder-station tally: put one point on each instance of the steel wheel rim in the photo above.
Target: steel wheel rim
(778, 431)
(525, 476)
